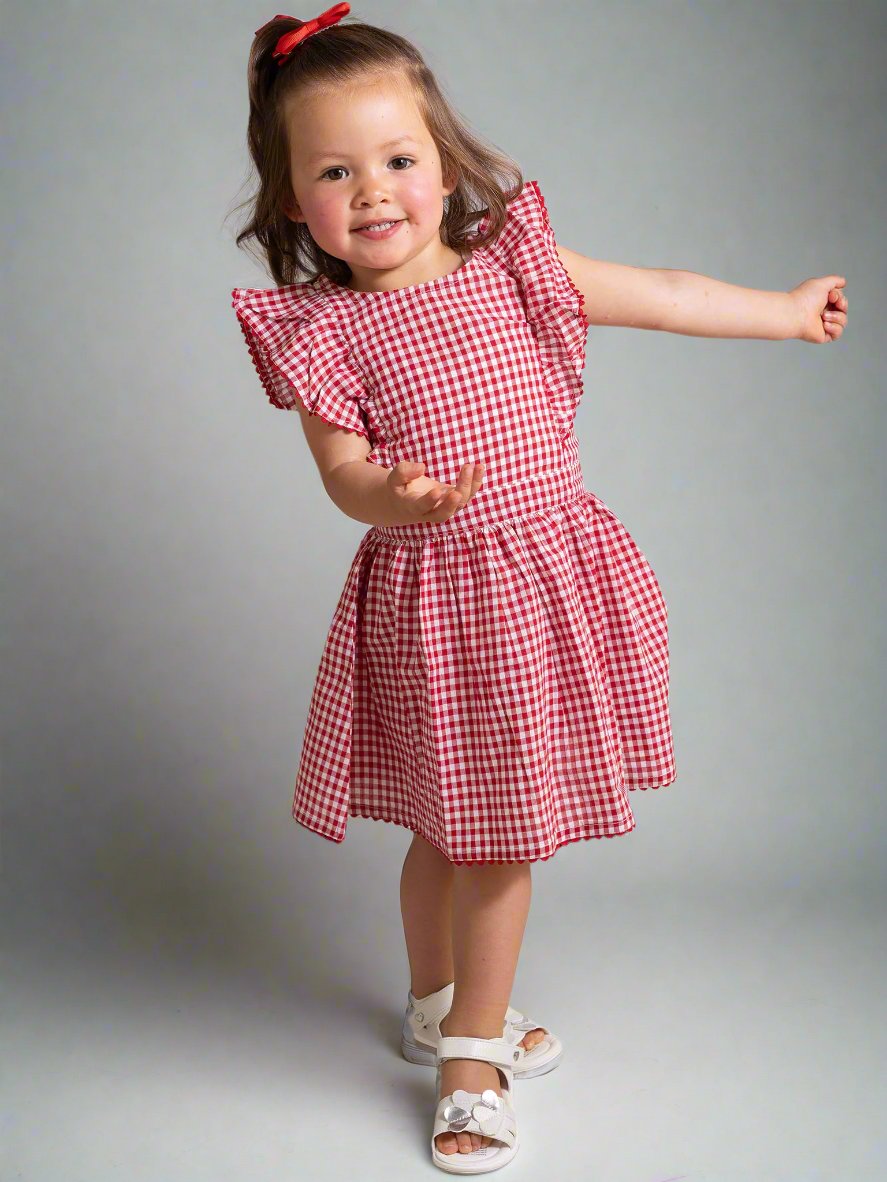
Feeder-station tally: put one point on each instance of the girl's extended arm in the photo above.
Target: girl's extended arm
(696, 305)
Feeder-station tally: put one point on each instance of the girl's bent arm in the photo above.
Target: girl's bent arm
(678, 301)
(357, 488)
(361, 491)
(366, 491)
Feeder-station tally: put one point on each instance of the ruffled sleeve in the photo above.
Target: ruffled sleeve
(526, 249)
(295, 340)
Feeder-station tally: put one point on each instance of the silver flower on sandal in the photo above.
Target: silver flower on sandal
(488, 1111)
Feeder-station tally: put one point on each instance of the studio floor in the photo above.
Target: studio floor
(706, 1040)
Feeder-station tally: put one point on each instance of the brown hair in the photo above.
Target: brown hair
(337, 58)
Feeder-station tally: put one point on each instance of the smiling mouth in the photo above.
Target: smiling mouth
(383, 225)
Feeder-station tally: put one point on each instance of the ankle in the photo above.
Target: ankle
(430, 986)
(463, 1028)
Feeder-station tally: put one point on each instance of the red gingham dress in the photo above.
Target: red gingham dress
(496, 682)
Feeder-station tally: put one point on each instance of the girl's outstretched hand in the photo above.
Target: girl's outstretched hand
(419, 498)
(821, 309)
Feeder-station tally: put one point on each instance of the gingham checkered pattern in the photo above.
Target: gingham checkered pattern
(496, 682)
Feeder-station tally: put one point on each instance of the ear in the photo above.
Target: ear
(450, 186)
(291, 208)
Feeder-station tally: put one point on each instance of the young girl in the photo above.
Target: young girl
(495, 677)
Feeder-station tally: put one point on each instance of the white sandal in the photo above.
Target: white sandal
(421, 1034)
(486, 1113)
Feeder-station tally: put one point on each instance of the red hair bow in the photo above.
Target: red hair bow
(294, 37)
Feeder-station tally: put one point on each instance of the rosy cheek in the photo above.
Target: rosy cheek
(422, 198)
(324, 219)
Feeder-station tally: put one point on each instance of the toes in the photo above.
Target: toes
(460, 1142)
(535, 1036)
(468, 1142)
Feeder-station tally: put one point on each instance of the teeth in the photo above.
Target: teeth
(379, 226)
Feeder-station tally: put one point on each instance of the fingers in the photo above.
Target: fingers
(441, 507)
(469, 479)
(834, 317)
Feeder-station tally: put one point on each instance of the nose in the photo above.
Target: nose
(370, 192)
(371, 198)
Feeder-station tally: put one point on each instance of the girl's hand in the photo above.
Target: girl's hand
(419, 498)
(821, 309)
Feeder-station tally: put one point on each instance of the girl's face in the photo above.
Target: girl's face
(368, 157)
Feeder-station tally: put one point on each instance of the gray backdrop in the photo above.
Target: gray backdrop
(196, 987)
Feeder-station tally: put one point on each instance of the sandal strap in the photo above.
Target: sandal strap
(498, 1051)
(517, 1021)
(429, 1010)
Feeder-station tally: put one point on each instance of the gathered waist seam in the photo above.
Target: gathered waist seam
(422, 532)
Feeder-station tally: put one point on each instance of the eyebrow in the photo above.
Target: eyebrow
(401, 139)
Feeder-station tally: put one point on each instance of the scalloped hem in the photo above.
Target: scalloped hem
(578, 295)
(488, 861)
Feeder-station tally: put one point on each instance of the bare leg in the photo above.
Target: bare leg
(480, 938)
(426, 894)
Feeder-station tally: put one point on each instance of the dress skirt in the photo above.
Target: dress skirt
(497, 689)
